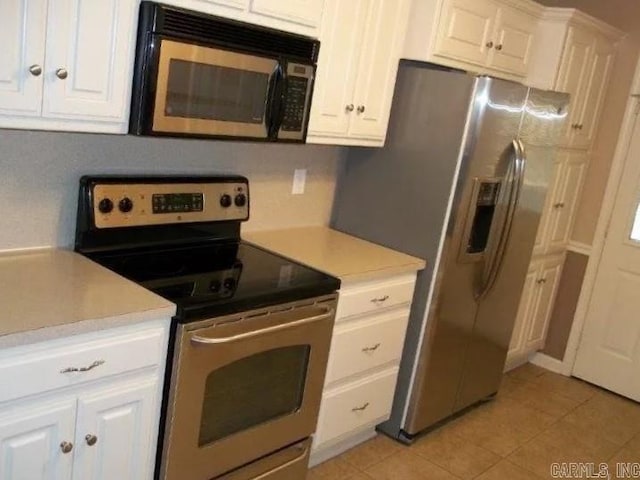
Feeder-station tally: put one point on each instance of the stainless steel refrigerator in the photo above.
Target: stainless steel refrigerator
(461, 183)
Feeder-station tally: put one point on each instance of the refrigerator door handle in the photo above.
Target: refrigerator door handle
(492, 269)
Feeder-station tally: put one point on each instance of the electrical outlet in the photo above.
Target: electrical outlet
(299, 179)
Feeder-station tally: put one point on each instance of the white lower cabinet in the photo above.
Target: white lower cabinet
(362, 371)
(536, 305)
(30, 439)
(100, 422)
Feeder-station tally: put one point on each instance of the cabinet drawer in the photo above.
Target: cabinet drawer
(37, 369)
(373, 296)
(360, 345)
(355, 405)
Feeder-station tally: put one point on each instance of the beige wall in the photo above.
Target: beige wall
(625, 15)
(39, 174)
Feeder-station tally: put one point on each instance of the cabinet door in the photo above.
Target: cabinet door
(89, 60)
(115, 434)
(513, 41)
(596, 83)
(525, 312)
(341, 41)
(30, 441)
(465, 30)
(304, 12)
(384, 32)
(566, 201)
(548, 219)
(571, 76)
(547, 284)
(22, 32)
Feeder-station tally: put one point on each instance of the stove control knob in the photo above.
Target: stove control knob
(229, 283)
(215, 286)
(105, 205)
(125, 205)
(225, 200)
(240, 200)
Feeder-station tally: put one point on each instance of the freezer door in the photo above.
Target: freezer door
(542, 125)
(478, 218)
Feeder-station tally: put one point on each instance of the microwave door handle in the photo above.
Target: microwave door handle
(274, 101)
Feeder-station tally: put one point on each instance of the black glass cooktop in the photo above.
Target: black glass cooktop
(219, 278)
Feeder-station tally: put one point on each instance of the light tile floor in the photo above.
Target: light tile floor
(538, 418)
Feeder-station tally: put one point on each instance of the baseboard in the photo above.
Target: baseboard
(550, 363)
(325, 453)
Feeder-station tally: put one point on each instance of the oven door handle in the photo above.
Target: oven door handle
(328, 313)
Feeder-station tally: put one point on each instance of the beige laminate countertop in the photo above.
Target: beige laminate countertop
(349, 258)
(47, 294)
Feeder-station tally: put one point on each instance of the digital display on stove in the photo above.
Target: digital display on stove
(177, 202)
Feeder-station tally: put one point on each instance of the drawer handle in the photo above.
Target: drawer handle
(380, 299)
(95, 364)
(540, 281)
(360, 409)
(371, 349)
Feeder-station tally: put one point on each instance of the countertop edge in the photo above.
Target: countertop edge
(80, 327)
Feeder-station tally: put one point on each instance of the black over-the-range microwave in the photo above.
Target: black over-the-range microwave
(202, 76)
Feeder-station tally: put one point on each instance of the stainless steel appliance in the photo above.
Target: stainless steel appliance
(251, 337)
(203, 76)
(463, 176)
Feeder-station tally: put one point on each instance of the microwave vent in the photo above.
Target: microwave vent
(204, 28)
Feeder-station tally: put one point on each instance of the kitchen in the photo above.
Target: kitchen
(42, 169)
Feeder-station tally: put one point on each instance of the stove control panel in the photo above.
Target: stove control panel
(116, 205)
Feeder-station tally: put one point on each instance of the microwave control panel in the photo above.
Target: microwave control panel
(296, 101)
(130, 204)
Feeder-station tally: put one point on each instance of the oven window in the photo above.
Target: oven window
(212, 92)
(252, 391)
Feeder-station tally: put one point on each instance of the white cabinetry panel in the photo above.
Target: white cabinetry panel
(120, 417)
(22, 31)
(30, 441)
(89, 59)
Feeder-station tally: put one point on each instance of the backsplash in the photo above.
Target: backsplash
(40, 171)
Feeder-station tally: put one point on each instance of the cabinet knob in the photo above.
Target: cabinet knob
(62, 73)
(499, 47)
(349, 108)
(361, 109)
(489, 44)
(35, 70)
(91, 439)
(66, 447)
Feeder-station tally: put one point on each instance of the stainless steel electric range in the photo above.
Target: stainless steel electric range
(251, 337)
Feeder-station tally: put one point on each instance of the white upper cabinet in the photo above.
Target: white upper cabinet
(296, 16)
(466, 29)
(67, 65)
(360, 49)
(513, 40)
(333, 101)
(487, 36)
(574, 53)
(22, 30)
(88, 66)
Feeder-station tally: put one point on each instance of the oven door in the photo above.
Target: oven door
(213, 92)
(245, 387)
